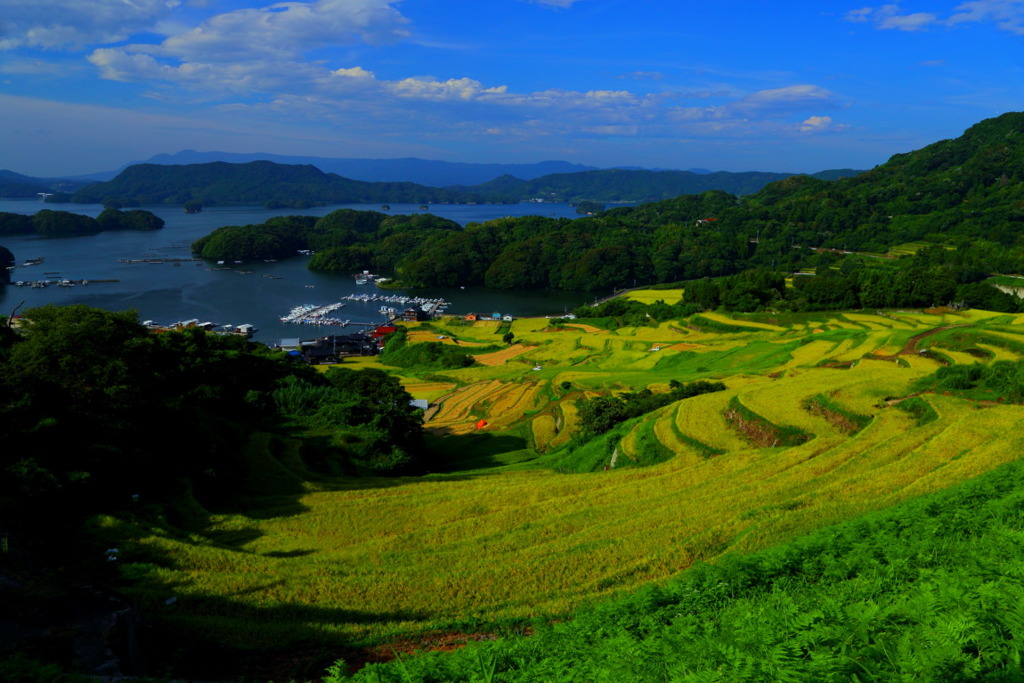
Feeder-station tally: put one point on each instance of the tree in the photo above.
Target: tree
(6, 261)
(508, 337)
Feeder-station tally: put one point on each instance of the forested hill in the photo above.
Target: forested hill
(297, 186)
(963, 197)
(621, 185)
(423, 171)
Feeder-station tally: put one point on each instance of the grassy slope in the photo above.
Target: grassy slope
(929, 590)
(505, 539)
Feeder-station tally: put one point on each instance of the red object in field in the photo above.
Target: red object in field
(481, 424)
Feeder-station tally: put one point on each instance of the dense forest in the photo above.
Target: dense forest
(163, 417)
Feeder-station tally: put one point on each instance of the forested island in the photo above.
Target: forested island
(48, 223)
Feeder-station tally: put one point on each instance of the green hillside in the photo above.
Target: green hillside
(622, 185)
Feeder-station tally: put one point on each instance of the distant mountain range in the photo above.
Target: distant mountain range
(408, 170)
(261, 178)
(15, 185)
(428, 172)
(298, 186)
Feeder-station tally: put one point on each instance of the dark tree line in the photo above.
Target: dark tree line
(602, 413)
(94, 410)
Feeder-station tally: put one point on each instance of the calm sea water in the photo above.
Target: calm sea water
(167, 293)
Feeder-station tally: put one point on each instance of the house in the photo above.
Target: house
(495, 316)
(471, 317)
(412, 315)
(348, 345)
(507, 318)
(318, 355)
(383, 331)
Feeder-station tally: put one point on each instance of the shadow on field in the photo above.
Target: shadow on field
(460, 452)
(279, 642)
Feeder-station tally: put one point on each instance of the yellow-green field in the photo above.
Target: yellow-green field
(508, 538)
(650, 296)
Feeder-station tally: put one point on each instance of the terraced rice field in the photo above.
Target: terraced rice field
(503, 356)
(650, 296)
(375, 559)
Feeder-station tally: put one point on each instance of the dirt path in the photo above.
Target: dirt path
(910, 348)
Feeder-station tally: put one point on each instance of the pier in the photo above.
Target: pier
(158, 260)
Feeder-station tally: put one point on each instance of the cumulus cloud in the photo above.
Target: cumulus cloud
(257, 63)
(284, 30)
(1007, 15)
(907, 22)
(74, 24)
(821, 124)
(354, 72)
(452, 89)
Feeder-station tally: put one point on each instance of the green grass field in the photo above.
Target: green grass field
(507, 537)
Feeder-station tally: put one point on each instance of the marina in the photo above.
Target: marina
(58, 282)
(138, 270)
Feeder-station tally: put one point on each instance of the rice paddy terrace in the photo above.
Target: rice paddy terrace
(817, 424)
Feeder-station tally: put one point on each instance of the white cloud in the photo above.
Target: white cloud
(908, 22)
(255, 64)
(74, 24)
(821, 124)
(284, 29)
(354, 72)
(785, 100)
(859, 15)
(1007, 15)
(257, 51)
(452, 89)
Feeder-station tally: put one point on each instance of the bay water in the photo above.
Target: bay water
(237, 293)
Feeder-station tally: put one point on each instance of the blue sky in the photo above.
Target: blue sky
(793, 86)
